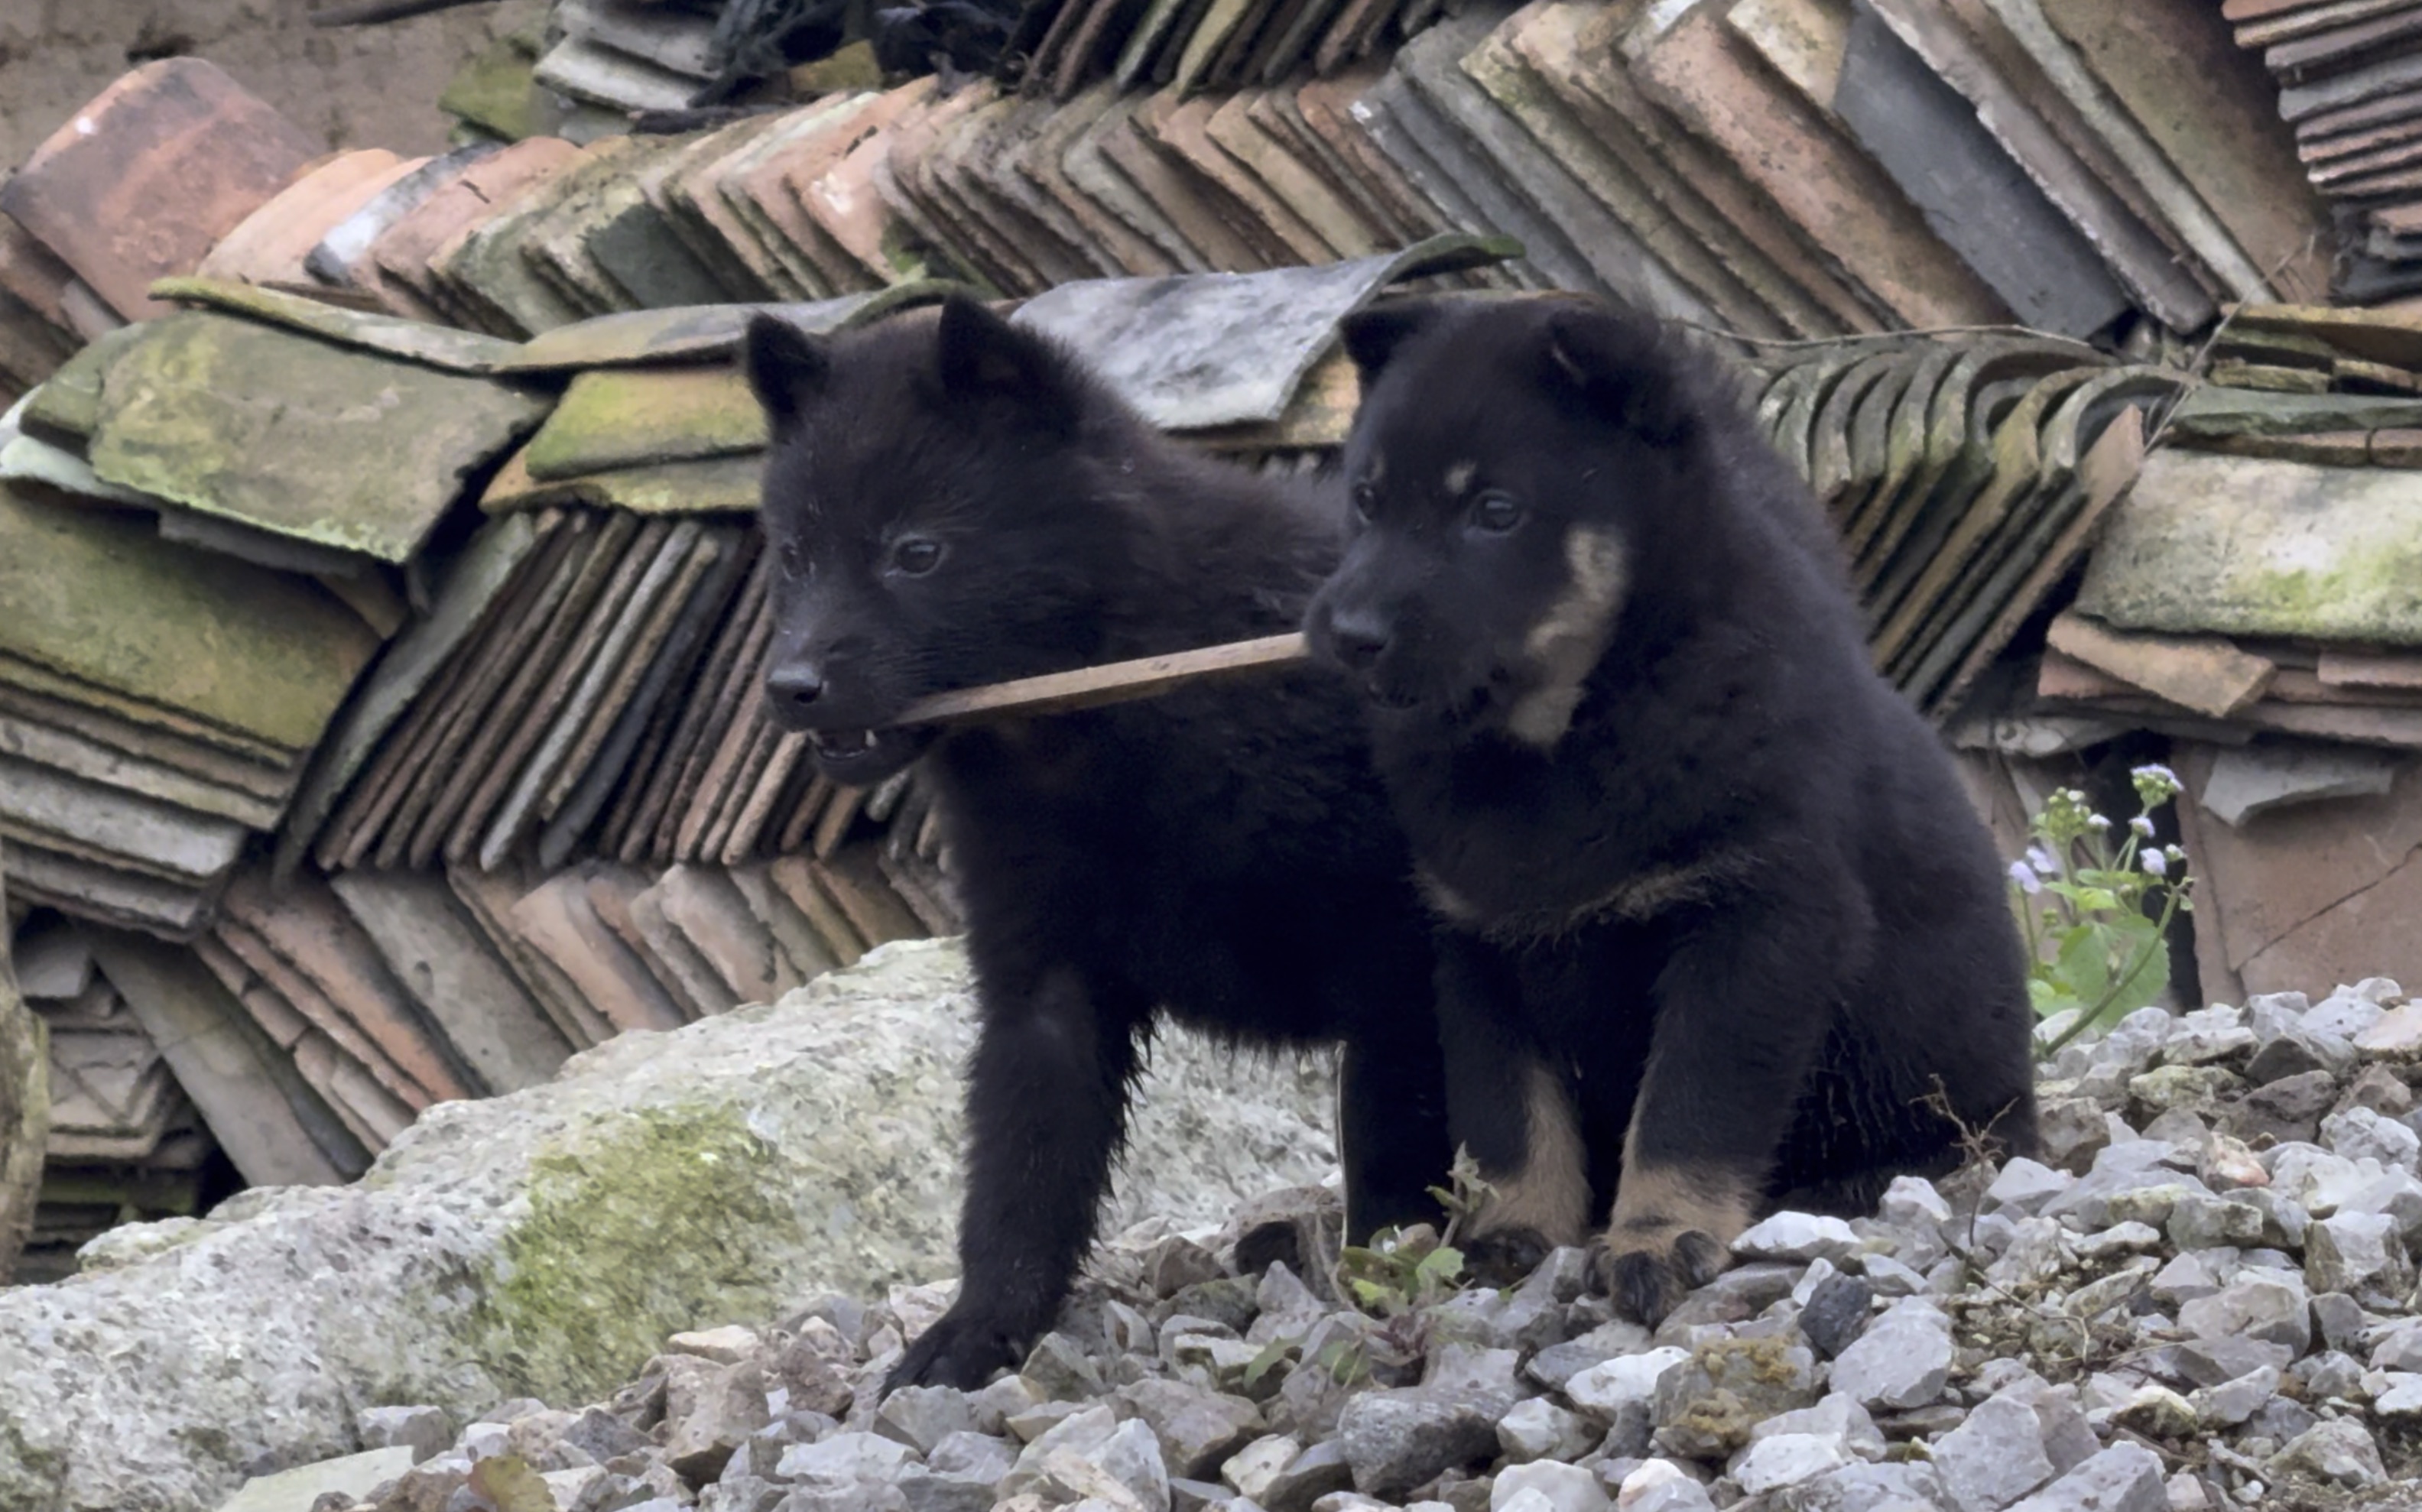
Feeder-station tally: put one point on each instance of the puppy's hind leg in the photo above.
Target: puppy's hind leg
(1513, 1110)
(1046, 1108)
(1391, 1125)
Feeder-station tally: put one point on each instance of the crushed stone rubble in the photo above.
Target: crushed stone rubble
(2202, 1297)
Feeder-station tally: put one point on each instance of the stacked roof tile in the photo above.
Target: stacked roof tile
(2350, 86)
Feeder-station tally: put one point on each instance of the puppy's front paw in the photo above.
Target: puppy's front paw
(964, 1352)
(1647, 1277)
(1504, 1257)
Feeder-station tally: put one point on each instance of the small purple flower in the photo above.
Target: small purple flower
(2154, 862)
(2142, 826)
(2156, 784)
(2042, 860)
(2098, 822)
(2024, 875)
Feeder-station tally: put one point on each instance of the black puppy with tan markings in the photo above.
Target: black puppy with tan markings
(1723, 933)
(954, 501)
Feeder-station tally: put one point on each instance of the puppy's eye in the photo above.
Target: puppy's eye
(1366, 499)
(1495, 512)
(915, 555)
(795, 561)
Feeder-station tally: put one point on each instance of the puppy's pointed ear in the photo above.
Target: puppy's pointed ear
(985, 359)
(1375, 334)
(1622, 369)
(787, 367)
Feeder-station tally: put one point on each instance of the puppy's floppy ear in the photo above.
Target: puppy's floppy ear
(1622, 369)
(786, 366)
(985, 358)
(1375, 335)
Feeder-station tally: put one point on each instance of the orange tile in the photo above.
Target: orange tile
(269, 247)
(398, 259)
(145, 179)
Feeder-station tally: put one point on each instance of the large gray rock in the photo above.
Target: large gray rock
(2125, 1477)
(1902, 1361)
(547, 1242)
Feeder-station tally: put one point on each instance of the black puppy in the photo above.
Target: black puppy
(954, 502)
(1724, 932)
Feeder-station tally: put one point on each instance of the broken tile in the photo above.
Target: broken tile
(1840, 200)
(473, 582)
(704, 905)
(483, 268)
(620, 81)
(489, 898)
(95, 891)
(66, 753)
(41, 805)
(270, 245)
(441, 959)
(671, 39)
(2175, 106)
(1196, 352)
(558, 921)
(669, 649)
(699, 333)
(2268, 775)
(346, 244)
(233, 1078)
(523, 677)
(2244, 545)
(397, 262)
(442, 347)
(392, 811)
(296, 436)
(2208, 674)
(669, 953)
(689, 552)
(2115, 237)
(313, 936)
(1743, 296)
(1983, 205)
(2340, 666)
(2266, 879)
(96, 596)
(624, 417)
(150, 173)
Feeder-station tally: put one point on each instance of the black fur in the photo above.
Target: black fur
(1844, 946)
(954, 502)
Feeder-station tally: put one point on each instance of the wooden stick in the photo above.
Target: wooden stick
(1090, 687)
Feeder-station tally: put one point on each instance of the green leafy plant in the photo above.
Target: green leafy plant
(1393, 1279)
(1400, 1270)
(2097, 899)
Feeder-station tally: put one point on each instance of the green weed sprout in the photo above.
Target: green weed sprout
(2082, 895)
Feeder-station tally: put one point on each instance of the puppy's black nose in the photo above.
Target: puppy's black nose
(1357, 639)
(795, 683)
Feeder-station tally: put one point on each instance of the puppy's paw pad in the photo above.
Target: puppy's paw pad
(965, 1353)
(1504, 1257)
(1699, 1258)
(1649, 1282)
